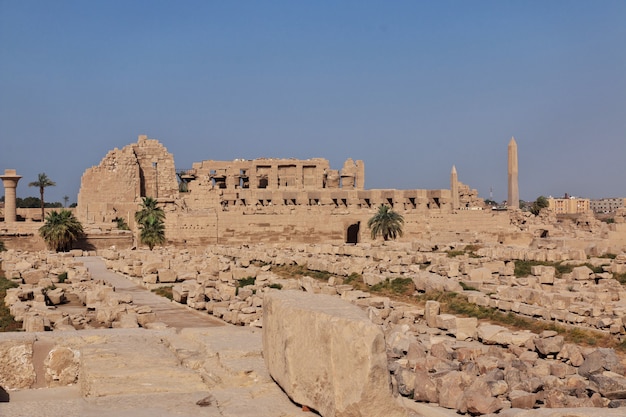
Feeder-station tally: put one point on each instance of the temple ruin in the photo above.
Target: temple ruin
(266, 199)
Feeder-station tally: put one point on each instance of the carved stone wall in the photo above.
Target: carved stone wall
(115, 187)
(268, 200)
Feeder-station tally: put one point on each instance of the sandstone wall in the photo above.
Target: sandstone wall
(115, 187)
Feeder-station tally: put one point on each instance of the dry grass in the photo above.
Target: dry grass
(402, 289)
(7, 322)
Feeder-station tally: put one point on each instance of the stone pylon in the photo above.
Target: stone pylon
(513, 197)
(9, 180)
(454, 188)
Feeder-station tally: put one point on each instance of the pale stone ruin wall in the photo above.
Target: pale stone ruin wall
(115, 187)
(290, 200)
(259, 200)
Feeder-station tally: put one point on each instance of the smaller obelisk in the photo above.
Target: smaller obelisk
(513, 198)
(454, 188)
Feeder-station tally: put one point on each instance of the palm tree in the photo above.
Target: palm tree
(150, 221)
(121, 223)
(42, 182)
(386, 222)
(61, 230)
(148, 210)
(152, 232)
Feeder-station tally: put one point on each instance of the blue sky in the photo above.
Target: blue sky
(410, 87)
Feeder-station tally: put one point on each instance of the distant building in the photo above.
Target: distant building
(607, 205)
(568, 205)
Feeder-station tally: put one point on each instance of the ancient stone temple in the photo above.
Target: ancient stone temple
(263, 199)
(113, 188)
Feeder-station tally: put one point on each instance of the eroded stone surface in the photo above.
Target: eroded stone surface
(327, 355)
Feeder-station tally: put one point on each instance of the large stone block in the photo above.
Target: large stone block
(167, 275)
(326, 354)
(16, 363)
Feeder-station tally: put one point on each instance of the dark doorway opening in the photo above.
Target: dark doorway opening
(352, 235)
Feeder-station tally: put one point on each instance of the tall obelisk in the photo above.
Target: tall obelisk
(513, 200)
(454, 188)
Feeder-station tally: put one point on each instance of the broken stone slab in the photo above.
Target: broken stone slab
(61, 366)
(17, 370)
(581, 273)
(610, 385)
(327, 355)
(601, 360)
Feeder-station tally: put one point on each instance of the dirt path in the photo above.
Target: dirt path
(173, 314)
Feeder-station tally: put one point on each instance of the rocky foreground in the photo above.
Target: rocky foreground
(455, 363)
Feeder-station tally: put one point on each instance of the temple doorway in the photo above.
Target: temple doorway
(352, 235)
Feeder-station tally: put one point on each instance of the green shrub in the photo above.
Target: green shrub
(121, 223)
(2, 247)
(455, 253)
(7, 322)
(295, 271)
(523, 268)
(62, 277)
(467, 287)
(394, 286)
(243, 282)
(352, 278)
(164, 292)
(276, 286)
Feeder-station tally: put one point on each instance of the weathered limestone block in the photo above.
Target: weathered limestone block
(110, 254)
(428, 282)
(465, 328)
(61, 367)
(327, 355)
(56, 296)
(126, 320)
(451, 386)
(33, 322)
(601, 360)
(152, 267)
(549, 345)
(480, 275)
(478, 399)
(16, 363)
(33, 276)
(544, 273)
(373, 279)
(522, 399)
(610, 385)
(431, 311)
(167, 275)
(78, 274)
(425, 388)
(150, 278)
(581, 273)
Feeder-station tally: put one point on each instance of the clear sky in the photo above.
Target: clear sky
(410, 87)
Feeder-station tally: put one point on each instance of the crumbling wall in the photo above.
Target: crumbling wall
(114, 188)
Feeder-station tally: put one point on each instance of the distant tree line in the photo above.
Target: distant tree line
(35, 202)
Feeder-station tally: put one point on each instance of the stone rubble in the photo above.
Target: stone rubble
(457, 363)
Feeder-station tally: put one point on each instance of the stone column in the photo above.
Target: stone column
(454, 188)
(360, 175)
(513, 198)
(9, 180)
